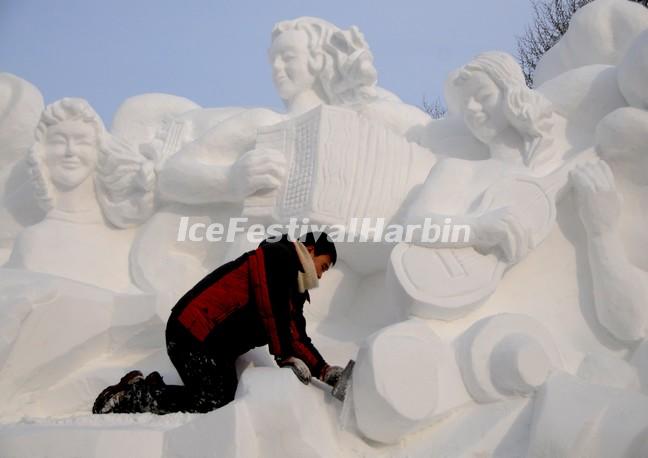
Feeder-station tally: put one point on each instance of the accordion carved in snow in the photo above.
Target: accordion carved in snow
(341, 165)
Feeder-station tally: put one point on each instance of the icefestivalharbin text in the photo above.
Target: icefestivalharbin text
(363, 230)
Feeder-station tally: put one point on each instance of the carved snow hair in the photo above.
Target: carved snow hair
(124, 180)
(346, 74)
(529, 112)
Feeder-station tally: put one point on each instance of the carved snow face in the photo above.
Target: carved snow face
(290, 58)
(483, 107)
(70, 153)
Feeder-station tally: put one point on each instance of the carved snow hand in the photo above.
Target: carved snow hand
(258, 169)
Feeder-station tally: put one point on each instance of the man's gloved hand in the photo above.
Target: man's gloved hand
(331, 375)
(299, 367)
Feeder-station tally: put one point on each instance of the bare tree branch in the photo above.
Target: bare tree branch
(550, 22)
(435, 109)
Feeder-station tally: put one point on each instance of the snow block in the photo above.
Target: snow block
(395, 381)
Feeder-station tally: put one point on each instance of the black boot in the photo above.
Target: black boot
(154, 379)
(109, 399)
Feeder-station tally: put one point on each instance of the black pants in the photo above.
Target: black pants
(209, 380)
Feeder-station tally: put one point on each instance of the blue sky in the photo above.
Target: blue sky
(214, 51)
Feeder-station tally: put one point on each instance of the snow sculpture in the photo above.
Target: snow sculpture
(466, 381)
(615, 86)
(82, 175)
(314, 63)
(506, 355)
(599, 33)
(394, 393)
(640, 362)
(342, 166)
(342, 73)
(304, 428)
(601, 369)
(619, 287)
(571, 96)
(226, 433)
(158, 120)
(573, 418)
(633, 69)
(507, 202)
(611, 217)
(84, 328)
(16, 302)
(70, 270)
(20, 106)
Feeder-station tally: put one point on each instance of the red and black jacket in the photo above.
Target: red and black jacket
(250, 302)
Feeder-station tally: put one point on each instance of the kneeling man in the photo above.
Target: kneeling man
(255, 300)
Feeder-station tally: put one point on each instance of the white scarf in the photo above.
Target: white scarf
(308, 278)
